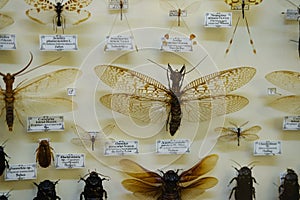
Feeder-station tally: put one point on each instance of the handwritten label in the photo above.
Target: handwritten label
(218, 20)
(178, 146)
(8, 42)
(175, 13)
(21, 172)
(292, 14)
(45, 123)
(291, 123)
(58, 43)
(116, 5)
(119, 43)
(239, 7)
(177, 44)
(121, 147)
(267, 148)
(69, 160)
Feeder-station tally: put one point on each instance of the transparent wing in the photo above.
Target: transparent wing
(252, 130)
(198, 187)
(289, 104)
(5, 21)
(3, 3)
(239, 2)
(228, 137)
(287, 80)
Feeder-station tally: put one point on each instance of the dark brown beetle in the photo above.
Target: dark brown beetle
(44, 154)
(46, 190)
(289, 189)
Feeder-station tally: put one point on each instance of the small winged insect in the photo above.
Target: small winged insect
(4, 19)
(58, 13)
(3, 161)
(141, 97)
(44, 154)
(119, 5)
(290, 81)
(242, 4)
(93, 188)
(23, 99)
(5, 196)
(89, 139)
(46, 190)
(244, 189)
(236, 133)
(289, 188)
(170, 185)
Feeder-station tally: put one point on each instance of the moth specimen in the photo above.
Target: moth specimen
(143, 98)
(58, 13)
(170, 185)
(5, 20)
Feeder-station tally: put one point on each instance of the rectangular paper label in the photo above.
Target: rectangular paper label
(218, 20)
(292, 14)
(119, 43)
(267, 148)
(121, 147)
(177, 44)
(58, 43)
(21, 172)
(291, 123)
(178, 146)
(115, 4)
(8, 42)
(174, 13)
(45, 123)
(69, 160)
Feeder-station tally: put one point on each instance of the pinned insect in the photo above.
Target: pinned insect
(170, 185)
(58, 13)
(93, 188)
(3, 161)
(141, 96)
(44, 154)
(289, 189)
(5, 20)
(242, 4)
(236, 133)
(46, 190)
(5, 196)
(244, 189)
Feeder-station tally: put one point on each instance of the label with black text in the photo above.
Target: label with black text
(119, 43)
(21, 172)
(267, 148)
(121, 147)
(116, 4)
(8, 42)
(292, 14)
(218, 20)
(177, 44)
(45, 123)
(178, 146)
(58, 43)
(69, 160)
(291, 123)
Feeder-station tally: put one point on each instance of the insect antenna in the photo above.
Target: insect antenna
(252, 164)
(3, 143)
(231, 40)
(15, 74)
(250, 38)
(236, 163)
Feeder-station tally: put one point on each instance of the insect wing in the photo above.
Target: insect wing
(239, 2)
(198, 187)
(172, 5)
(250, 133)
(3, 3)
(287, 80)
(289, 104)
(74, 13)
(228, 134)
(5, 21)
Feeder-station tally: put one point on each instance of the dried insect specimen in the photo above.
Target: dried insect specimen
(44, 154)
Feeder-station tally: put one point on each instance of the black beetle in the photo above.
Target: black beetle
(3, 161)
(289, 188)
(46, 190)
(93, 188)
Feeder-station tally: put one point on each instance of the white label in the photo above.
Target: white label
(21, 172)
(119, 43)
(291, 123)
(292, 14)
(58, 43)
(71, 92)
(267, 148)
(179, 146)
(121, 147)
(272, 91)
(8, 42)
(177, 44)
(45, 123)
(175, 13)
(69, 160)
(239, 7)
(115, 4)
(218, 20)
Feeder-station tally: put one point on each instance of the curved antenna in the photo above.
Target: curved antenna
(31, 58)
(4, 143)
(292, 3)
(236, 163)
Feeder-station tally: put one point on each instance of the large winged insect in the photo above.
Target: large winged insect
(170, 185)
(140, 96)
(5, 20)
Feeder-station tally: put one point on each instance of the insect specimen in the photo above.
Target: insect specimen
(236, 133)
(59, 13)
(119, 5)
(23, 98)
(4, 19)
(3, 161)
(90, 138)
(290, 81)
(170, 185)
(46, 190)
(5, 196)
(44, 154)
(289, 189)
(242, 4)
(93, 188)
(141, 96)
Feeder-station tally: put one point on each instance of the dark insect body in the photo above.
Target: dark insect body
(170, 185)
(44, 154)
(46, 190)
(289, 189)
(3, 161)
(5, 196)
(93, 188)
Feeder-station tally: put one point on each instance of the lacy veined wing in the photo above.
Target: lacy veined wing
(5, 21)
(3, 3)
(240, 2)
(170, 184)
(142, 97)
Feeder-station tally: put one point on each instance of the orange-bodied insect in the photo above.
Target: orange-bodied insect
(44, 154)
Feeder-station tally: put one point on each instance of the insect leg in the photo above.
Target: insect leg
(105, 194)
(233, 189)
(251, 41)
(231, 40)
(253, 192)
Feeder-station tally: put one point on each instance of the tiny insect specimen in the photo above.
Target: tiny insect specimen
(3, 161)
(141, 96)
(236, 133)
(23, 98)
(44, 154)
(4, 19)
(290, 81)
(5, 196)
(46, 190)
(242, 4)
(59, 13)
(289, 189)
(170, 185)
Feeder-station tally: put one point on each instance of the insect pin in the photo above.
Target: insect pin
(46, 190)
(44, 154)
(289, 187)
(93, 188)
(3, 162)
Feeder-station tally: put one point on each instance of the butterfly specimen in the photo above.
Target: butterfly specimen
(33, 96)
(290, 81)
(59, 13)
(236, 133)
(242, 4)
(4, 19)
(142, 97)
(170, 185)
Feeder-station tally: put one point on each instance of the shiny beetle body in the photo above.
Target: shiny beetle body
(46, 190)
(3, 161)
(289, 189)
(44, 154)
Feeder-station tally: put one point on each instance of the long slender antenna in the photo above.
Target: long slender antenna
(231, 40)
(251, 40)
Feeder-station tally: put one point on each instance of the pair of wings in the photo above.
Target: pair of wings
(229, 134)
(44, 11)
(149, 184)
(239, 2)
(142, 97)
(5, 20)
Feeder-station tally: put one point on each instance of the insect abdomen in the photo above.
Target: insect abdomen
(170, 196)
(175, 115)
(10, 115)
(44, 156)
(244, 190)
